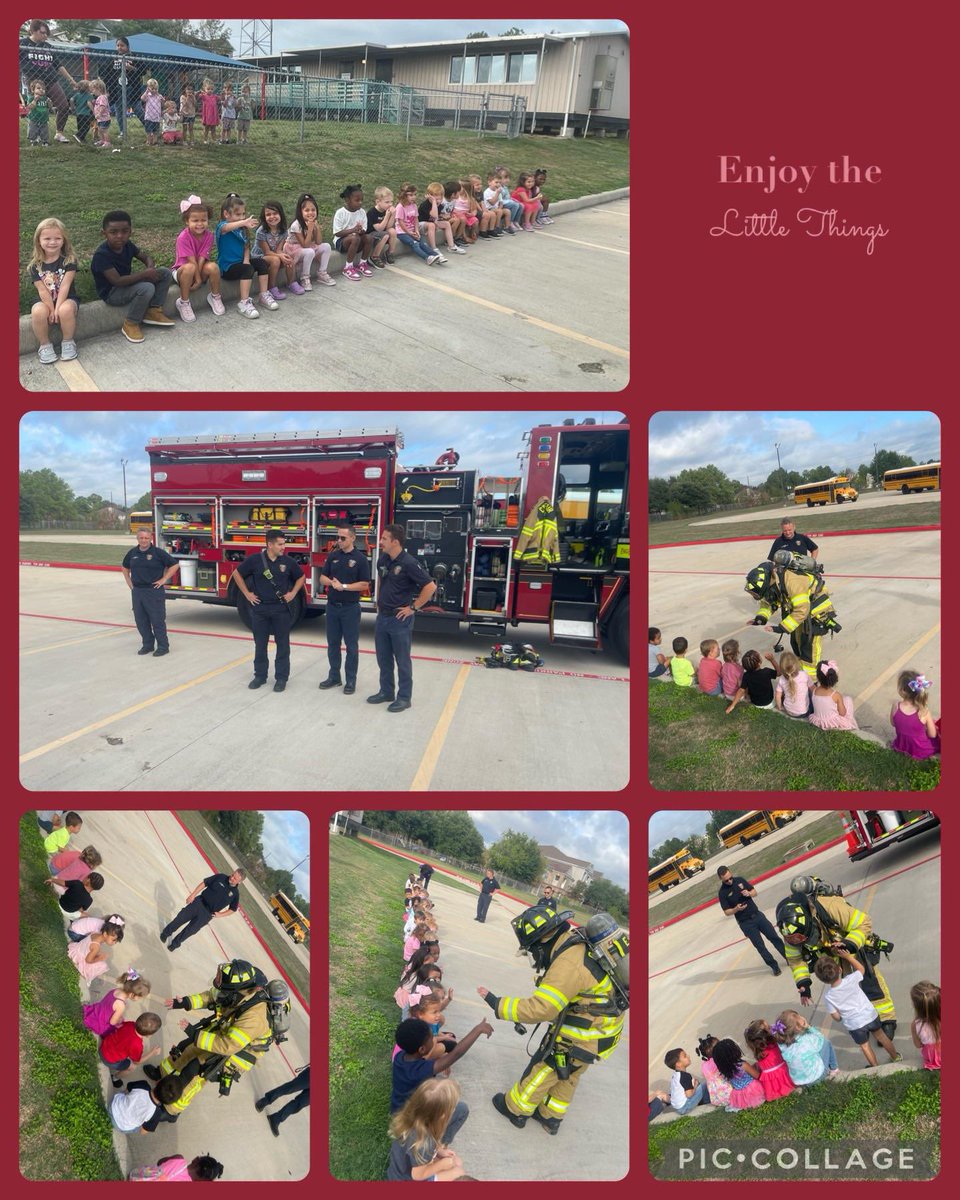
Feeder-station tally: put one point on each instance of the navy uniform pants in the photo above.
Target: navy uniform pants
(195, 915)
(483, 903)
(150, 614)
(267, 619)
(756, 929)
(300, 1083)
(343, 622)
(393, 639)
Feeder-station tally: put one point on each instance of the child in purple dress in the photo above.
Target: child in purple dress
(917, 733)
(108, 1012)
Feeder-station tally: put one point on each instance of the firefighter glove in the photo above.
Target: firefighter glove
(492, 1000)
(758, 620)
(779, 629)
(804, 988)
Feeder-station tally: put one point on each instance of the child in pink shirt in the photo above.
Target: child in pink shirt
(709, 668)
(731, 673)
(74, 864)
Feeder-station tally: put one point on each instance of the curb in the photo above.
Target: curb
(97, 317)
(765, 537)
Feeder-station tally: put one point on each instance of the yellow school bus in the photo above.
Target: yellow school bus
(912, 479)
(290, 917)
(141, 520)
(755, 824)
(673, 870)
(827, 491)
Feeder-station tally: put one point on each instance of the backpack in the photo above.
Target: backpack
(607, 955)
(270, 512)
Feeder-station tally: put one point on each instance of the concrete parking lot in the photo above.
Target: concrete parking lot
(95, 716)
(544, 311)
(150, 865)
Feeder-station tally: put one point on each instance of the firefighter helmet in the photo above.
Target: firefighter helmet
(793, 916)
(757, 579)
(538, 923)
(236, 976)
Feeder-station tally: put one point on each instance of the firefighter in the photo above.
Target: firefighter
(346, 576)
(147, 569)
(573, 994)
(810, 923)
(794, 584)
(539, 538)
(226, 1044)
(276, 579)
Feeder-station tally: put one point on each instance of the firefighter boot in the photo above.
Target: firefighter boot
(550, 1124)
(500, 1104)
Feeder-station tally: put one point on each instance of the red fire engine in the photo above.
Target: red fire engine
(869, 830)
(215, 497)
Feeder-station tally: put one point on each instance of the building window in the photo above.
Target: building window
(523, 68)
(491, 68)
(484, 68)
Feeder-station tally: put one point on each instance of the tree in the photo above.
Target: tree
(210, 35)
(44, 496)
(513, 31)
(720, 817)
(243, 828)
(816, 474)
(606, 895)
(889, 460)
(517, 855)
(578, 891)
(658, 495)
(456, 835)
(145, 502)
(479, 34)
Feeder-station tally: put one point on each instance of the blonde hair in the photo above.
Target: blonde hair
(730, 650)
(98, 87)
(790, 668)
(918, 697)
(136, 987)
(707, 645)
(426, 1114)
(434, 189)
(789, 1019)
(153, 83)
(66, 250)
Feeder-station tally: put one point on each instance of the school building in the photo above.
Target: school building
(570, 82)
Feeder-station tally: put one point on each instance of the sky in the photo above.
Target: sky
(86, 448)
(285, 840)
(298, 35)
(601, 838)
(741, 444)
(667, 824)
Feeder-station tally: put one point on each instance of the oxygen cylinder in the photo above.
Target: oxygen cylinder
(890, 819)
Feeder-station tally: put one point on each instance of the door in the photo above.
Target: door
(383, 70)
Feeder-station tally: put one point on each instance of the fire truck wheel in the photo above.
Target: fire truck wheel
(618, 631)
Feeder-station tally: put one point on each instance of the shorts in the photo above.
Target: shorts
(661, 670)
(172, 136)
(228, 123)
(151, 126)
(377, 235)
(862, 1036)
(188, 120)
(115, 1067)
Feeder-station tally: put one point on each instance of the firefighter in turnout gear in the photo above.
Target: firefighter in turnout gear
(811, 923)
(227, 1044)
(794, 584)
(581, 1003)
(539, 538)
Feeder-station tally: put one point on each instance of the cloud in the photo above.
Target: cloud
(285, 840)
(597, 836)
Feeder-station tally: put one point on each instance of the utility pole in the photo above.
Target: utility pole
(874, 464)
(783, 481)
(123, 467)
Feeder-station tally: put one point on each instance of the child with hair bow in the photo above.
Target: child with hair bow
(193, 266)
(810, 1057)
(917, 734)
(831, 710)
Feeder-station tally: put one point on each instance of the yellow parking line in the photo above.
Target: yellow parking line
(512, 312)
(880, 680)
(578, 242)
(75, 376)
(421, 781)
(134, 708)
(94, 637)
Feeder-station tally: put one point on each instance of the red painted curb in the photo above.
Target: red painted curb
(32, 562)
(766, 537)
(766, 875)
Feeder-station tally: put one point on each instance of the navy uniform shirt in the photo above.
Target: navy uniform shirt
(147, 566)
(401, 579)
(220, 893)
(349, 566)
(730, 896)
(489, 886)
(285, 572)
(798, 544)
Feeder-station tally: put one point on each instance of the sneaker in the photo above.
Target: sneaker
(47, 354)
(390, 259)
(245, 309)
(496, 233)
(511, 229)
(278, 293)
(116, 149)
(548, 221)
(455, 249)
(484, 233)
(58, 137)
(185, 309)
(216, 303)
(305, 283)
(156, 316)
(514, 227)
(349, 272)
(326, 279)
(364, 268)
(267, 301)
(434, 258)
(132, 331)
(78, 139)
(67, 351)
(296, 288)
(460, 241)
(378, 262)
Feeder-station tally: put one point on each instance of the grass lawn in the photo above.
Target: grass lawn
(78, 552)
(280, 944)
(366, 943)
(901, 1109)
(693, 746)
(65, 1132)
(704, 886)
(150, 182)
(767, 522)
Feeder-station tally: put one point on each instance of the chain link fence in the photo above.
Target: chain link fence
(300, 102)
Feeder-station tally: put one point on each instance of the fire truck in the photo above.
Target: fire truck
(870, 830)
(215, 497)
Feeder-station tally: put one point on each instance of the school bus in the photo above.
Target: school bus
(141, 520)
(827, 491)
(913, 479)
(673, 870)
(753, 825)
(290, 917)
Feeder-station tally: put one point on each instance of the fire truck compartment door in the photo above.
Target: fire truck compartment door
(575, 607)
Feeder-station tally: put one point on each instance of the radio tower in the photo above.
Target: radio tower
(256, 38)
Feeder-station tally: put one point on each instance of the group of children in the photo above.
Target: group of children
(243, 248)
(791, 1054)
(789, 689)
(141, 1105)
(425, 1105)
(164, 118)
